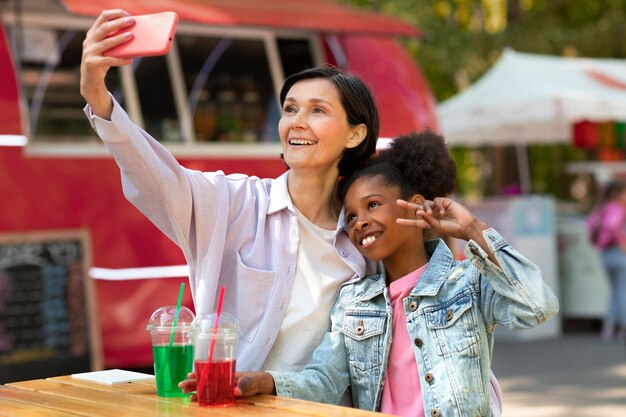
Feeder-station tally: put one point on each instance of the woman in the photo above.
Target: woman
(263, 239)
(275, 244)
(606, 226)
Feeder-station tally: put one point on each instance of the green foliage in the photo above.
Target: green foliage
(464, 38)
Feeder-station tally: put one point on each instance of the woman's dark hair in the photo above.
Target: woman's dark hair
(358, 102)
(416, 163)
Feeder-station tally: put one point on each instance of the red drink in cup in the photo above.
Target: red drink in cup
(216, 382)
(215, 338)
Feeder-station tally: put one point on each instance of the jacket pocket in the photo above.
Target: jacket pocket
(248, 293)
(454, 326)
(363, 331)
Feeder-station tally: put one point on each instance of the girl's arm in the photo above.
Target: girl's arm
(254, 382)
(513, 292)
(324, 379)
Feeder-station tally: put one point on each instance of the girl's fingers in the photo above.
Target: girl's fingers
(420, 224)
(410, 206)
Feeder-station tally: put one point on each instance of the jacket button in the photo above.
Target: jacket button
(435, 412)
(413, 306)
(359, 330)
(449, 315)
(418, 342)
(429, 378)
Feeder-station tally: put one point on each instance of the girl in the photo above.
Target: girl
(440, 313)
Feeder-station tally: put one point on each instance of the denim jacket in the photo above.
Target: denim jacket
(451, 315)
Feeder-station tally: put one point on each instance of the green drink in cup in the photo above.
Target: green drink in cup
(172, 348)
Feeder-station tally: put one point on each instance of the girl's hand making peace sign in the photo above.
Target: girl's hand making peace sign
(447, 217)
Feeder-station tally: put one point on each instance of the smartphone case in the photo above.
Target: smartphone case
(152, 36)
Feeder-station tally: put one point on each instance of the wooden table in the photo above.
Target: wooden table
(64, 397)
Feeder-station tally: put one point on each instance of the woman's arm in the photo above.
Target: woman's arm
(94, 66)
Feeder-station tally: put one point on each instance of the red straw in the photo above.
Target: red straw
(217, 321)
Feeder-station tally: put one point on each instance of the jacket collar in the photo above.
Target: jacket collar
(437, 271)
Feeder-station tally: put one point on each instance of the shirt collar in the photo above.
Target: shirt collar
(279, 196)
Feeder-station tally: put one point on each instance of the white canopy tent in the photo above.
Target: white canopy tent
(526, 98)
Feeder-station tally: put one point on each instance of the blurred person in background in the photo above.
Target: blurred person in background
(605, 226)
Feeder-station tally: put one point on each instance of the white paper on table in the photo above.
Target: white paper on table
(113, 376)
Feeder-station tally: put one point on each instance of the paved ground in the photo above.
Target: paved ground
(575, 375)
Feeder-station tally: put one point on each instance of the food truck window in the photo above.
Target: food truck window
(295, 55)
(156, 98)
(229, 88)
(50, 71)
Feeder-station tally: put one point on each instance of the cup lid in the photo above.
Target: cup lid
(163, 318)
(205, 324)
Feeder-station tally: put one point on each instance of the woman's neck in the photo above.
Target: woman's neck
(315, 196)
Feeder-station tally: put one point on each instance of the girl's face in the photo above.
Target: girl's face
(371, 212)
(314, 128)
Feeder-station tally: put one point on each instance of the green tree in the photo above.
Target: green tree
(464, 38)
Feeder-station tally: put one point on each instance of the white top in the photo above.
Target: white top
(319, 273)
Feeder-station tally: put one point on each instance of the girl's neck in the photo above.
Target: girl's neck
(400, 265)
(315, 196)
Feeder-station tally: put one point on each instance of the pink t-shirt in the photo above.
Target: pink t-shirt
(402, 392)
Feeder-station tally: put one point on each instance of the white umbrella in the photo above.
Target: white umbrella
(527, 98)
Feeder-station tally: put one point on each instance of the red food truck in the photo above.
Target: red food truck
(212, 101)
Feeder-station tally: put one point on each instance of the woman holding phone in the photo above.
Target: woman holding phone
(277, 245)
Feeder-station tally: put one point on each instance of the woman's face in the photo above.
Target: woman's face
(313, 128)
(371, 212)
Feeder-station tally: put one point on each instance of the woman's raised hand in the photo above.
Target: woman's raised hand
(94, 65)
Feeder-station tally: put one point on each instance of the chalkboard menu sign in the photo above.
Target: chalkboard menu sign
(47, 311)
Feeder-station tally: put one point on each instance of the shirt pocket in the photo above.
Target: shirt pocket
(247, 296)
(454, 326)
(363, 332)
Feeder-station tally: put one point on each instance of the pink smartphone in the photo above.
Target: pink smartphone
(152, 36)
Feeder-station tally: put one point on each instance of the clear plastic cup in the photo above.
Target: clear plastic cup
(215, 367)
(172, 348)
